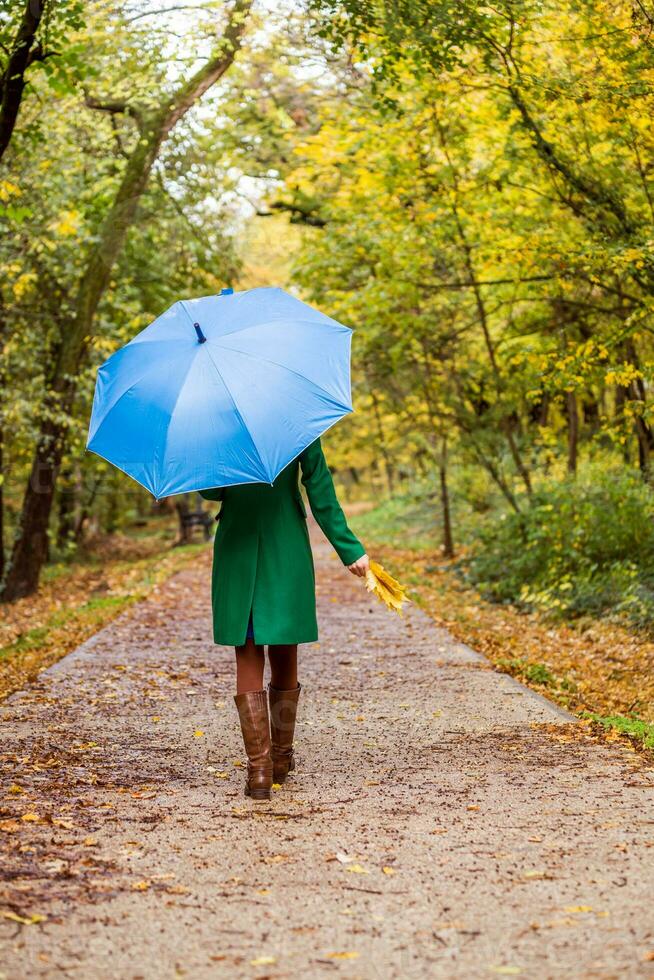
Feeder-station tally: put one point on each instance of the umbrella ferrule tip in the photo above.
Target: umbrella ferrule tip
(198, 329)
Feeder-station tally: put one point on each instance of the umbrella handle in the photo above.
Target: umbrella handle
(201, 338)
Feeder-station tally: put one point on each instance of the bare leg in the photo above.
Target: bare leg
(283, 666)
(249, 667)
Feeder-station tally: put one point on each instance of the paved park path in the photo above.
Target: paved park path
(444, 821)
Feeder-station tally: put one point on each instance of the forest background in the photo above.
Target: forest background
(470, 186)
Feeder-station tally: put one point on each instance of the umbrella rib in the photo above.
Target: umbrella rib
(236, 409)
(171, 411)
(106, 415)
(284, 367)
(142, 374)
(126, 472)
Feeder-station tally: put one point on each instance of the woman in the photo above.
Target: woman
(263, 594)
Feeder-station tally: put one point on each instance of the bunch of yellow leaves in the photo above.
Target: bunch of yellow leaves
(385, 587)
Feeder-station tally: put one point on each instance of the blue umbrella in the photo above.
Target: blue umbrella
(220, 391)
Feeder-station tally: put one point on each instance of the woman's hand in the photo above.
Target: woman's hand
(360, 566)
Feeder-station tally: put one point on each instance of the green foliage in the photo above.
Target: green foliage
(405, 520)
(581, 548)
(533, 673)
(641, 731)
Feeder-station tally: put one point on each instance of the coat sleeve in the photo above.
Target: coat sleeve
(325, 506)
(216, 494)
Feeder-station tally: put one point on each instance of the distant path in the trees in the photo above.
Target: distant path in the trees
(444, 821)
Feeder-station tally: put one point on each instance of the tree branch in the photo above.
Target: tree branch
(164, 10)
(474, 283)
(212, 70)
(114, 107)
(12, 82)
(603, 198)
(106, 105)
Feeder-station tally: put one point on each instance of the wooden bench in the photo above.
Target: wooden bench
(188, 519)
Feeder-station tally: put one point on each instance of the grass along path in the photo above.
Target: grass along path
(77, 599)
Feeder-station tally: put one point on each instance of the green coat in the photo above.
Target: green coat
(262, 555)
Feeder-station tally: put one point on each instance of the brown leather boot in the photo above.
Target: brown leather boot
(252, 710)
(283, 711)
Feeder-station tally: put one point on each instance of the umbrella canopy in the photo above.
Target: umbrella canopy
(221, 390)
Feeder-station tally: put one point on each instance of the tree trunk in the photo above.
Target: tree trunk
(183, 509)
(638, 394)
(30, 547)
(87, 504)
(448, 540)
(467, 251)
(2, 497)
(621, 396)
(644, 436)
(113, 508)
(572, 411)
(23, 52)
(388, 462)
(3, 388)
(591, 414)
(66, 509)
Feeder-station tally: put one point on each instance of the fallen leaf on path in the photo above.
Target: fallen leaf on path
(263, 961)
(574, 909)
(506, 971)
(342, 857)
(388, 870)
(31, 921)
(15, 789)
(198, 733)
(345, 955)
(140, 886)
(90, 842)
(30, 817)
(9, 826)
(358, 869)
